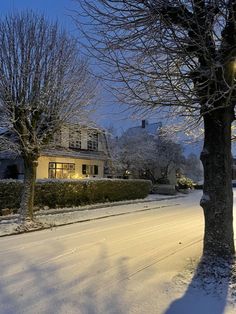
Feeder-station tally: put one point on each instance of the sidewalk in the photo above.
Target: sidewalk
(65, 216)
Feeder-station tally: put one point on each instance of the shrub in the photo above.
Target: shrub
(185, 183)
(10, 192)
(67, 193)
(163, 181)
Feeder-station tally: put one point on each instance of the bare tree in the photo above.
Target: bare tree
(179, 54)
(170, 155)
(144, 155)
(43, 83)
(192, 168)
(133, 154)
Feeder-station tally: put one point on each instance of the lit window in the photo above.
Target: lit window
(90, 169)
(58, 170)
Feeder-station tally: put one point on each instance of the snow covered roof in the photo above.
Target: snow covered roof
(151, 128)
(8, 154)
(88, 125)
(189, 146)
(63, 152)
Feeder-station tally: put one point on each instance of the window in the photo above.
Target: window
(95, 170)
(59, 170)
(57, 138)
(74, 138)
(84, 169)
(90, 169)
(92, 140)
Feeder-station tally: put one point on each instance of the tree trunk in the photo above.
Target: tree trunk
(217, 199)
(27, 198)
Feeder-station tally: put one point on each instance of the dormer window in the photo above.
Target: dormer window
(57, 138)
(92, 143)
(74, 138)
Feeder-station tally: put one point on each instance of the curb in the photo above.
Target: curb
(87, 220)
(89, 207)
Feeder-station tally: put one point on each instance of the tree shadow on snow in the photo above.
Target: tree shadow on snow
(63, 286)
(208, 291)
(88, 287)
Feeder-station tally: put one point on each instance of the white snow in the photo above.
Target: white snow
(205, 198)
(68, 215)
(143, 262)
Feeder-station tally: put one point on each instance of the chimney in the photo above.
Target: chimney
(143, 124)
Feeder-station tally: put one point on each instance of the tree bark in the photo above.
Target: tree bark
(217, 199)
(27, 198)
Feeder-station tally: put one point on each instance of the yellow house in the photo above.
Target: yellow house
(75, 152)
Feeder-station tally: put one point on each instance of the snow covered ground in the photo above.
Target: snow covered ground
(63, 216)
(143, 262)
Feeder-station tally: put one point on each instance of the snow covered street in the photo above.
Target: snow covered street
(64, 216)
(142, 262)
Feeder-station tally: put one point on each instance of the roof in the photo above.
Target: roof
(151, 129)
(60, 153)
(89, 125)
(8, 154)
(63, 152)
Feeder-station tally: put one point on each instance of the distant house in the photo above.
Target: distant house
(152, 170)
(75, 152)
(144, 127)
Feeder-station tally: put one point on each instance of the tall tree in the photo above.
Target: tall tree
(179, 54)
(192, 168)
(153, 156)
(43, 82)
(134, 153)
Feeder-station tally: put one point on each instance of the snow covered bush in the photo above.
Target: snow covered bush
(184, 183)
(67, 193)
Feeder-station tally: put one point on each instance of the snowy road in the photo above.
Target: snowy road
(123, 264)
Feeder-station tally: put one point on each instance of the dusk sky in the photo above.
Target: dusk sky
(107, 114)
(55, 9)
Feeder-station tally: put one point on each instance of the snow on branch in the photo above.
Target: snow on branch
(156, 53)
(43, 80)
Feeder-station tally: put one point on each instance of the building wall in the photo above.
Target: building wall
(43, 165)
(14, 168)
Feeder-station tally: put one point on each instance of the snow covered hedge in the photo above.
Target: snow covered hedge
(67, 193)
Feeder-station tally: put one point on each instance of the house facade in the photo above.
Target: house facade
(76, 152)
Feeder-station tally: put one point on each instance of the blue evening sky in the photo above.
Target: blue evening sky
(55, 9)
(107, 114)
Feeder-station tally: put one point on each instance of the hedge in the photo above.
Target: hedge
(68, 193)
